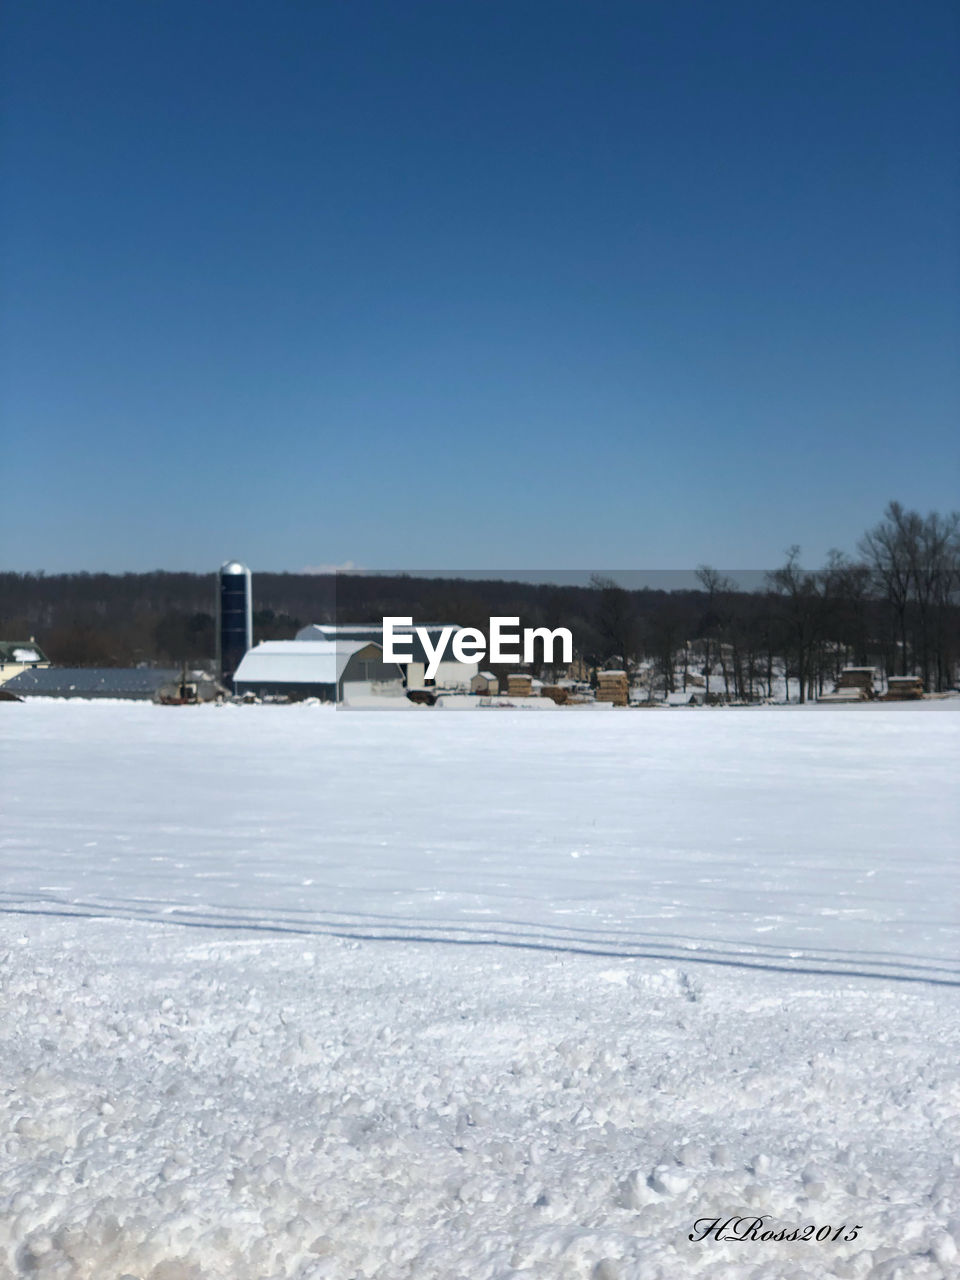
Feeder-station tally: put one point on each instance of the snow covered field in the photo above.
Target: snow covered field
(289, 992)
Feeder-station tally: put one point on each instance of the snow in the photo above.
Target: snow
(26, 655)
(289, 992)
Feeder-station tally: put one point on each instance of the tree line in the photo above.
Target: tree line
(895, 604)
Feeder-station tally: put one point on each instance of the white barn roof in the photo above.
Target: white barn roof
(297, 661)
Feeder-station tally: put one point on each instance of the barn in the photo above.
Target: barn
(451, 675)
(324, 669)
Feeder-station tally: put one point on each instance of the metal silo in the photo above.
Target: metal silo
(234, 617)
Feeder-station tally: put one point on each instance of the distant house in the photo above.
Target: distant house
(136, 683)
(485, 682)
(20, 655)
(324, 669)
(450, 675)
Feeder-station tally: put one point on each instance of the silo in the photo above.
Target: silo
(234, 617)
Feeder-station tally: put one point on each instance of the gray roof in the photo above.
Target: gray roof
(91, 682)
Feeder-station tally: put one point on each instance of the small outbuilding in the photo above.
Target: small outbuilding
(485, 682)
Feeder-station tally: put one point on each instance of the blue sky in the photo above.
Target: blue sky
(474, 284)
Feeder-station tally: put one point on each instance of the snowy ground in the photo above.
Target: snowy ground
(289, 992)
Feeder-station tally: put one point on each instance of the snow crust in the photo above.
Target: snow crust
(287, 992)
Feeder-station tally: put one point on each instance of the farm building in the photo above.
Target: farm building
(451, 674)
(485, 682)
(20, 655)
(324, 669)
(138, 683)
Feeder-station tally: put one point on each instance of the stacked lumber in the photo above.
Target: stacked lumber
(519, 685)
(860, 678)
(612, 687)
(903, 689)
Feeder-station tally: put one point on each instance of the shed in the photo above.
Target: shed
(485, 682)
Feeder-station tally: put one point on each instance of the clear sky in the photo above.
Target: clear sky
(470, 284)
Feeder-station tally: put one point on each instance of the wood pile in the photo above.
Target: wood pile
(903, 689)
(519, 685)
(612, 687)
(555, 693)
(857, 678)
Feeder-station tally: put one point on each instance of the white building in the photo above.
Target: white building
(330, 670)
(451, 675)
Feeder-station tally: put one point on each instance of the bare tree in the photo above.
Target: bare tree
(931, 562)
(947, 625)
(617, 621)
(799, 590)
(887, 548)
(712, 624)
